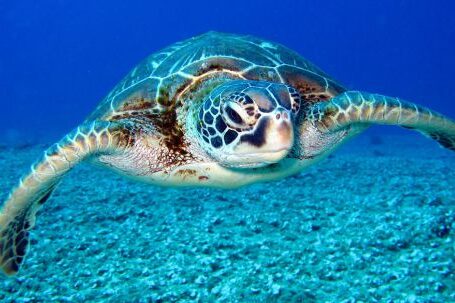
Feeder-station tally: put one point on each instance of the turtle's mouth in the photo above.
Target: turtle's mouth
(256, 159)
(259, 153)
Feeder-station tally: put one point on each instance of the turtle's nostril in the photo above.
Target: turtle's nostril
(282, 115)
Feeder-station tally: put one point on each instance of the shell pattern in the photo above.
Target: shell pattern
(163, 80)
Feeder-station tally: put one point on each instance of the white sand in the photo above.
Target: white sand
(374, 223)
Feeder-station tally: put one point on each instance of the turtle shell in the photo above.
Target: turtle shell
(166, 79)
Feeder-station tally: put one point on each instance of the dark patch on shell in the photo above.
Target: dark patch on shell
(136, 103)
(214, 66)
(163, 97)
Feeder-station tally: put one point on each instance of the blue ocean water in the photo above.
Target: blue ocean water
(373, 223)
(58, 59)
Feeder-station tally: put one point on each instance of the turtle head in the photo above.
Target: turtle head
(248, 123)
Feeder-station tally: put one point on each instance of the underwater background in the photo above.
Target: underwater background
(375, 222)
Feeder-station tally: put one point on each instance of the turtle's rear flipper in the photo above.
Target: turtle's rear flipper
(357, 108)
(17, 217)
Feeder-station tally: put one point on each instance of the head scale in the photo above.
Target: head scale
(248, 123)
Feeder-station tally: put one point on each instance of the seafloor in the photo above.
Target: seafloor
(373, 223)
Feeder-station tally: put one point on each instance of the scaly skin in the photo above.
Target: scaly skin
(357, 108)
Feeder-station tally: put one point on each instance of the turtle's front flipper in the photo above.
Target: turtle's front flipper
(18, 214)
(351, 108)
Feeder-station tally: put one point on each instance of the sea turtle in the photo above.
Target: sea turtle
(218, 110)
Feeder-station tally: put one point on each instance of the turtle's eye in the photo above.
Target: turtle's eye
(239, 111)
(234, 115)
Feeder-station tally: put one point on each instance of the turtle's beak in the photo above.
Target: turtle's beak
(278, 135)
(270, 143)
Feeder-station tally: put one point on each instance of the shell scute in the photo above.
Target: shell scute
(263, 73)
(312, 86)
(215, 63)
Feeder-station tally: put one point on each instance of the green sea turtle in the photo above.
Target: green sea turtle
(217, 110)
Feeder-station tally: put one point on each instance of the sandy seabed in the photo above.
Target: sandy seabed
(375, 222)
